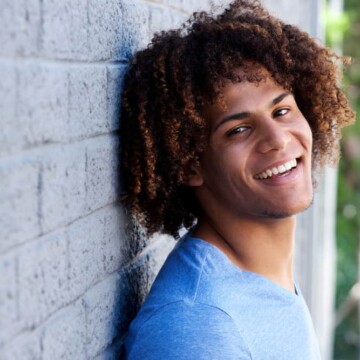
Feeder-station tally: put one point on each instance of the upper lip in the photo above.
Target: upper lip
(278, 163)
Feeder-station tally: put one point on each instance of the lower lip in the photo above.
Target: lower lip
(285, 178)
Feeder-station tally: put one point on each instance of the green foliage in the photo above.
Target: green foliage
(345, 29)
(346, 339)
(336, 25)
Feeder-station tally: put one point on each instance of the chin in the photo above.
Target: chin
(285, 213)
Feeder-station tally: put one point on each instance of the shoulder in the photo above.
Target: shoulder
(185, 330)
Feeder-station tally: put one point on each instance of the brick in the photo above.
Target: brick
(95, 248)
(101, 305)
(65, 29)
(136, 31)
(136, 280)
(19, 199)
(64, 335)
(115, 76)
(117, 28)
(294, 13)
(85, 255)
(41, 104)
(43, 278)
(9, 315)
(115, 255)
(177, 12)
(113, 352)
(63, 185)
(178, 19)
(105, 29)
(20, 27)
(177, 4)
(9, 122)
(160, 19)
(102, 172)
(112, 304)
(191, 6)
(94, 99)
(87, 101)
(24, 347)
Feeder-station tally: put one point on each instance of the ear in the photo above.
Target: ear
(195, 177)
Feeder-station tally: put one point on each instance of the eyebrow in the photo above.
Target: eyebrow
(242, 115)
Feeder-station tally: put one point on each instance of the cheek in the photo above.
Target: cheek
(219, 166)
(309, 136)
(305, 133)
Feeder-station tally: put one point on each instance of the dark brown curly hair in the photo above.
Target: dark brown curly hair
(162, 127)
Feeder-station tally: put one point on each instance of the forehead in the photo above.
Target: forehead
(243, 96)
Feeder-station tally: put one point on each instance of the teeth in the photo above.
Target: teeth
(277, 170)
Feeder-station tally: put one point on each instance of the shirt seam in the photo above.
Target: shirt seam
(192, 300)
(194, 303)
(153, 313)
(234, 322)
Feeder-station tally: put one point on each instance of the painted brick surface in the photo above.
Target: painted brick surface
(64, 25)
(41, 103)
(101, 172)
(9, 313)
(25, 347)
(64, 336)
(114, 79)
(8, 102)
(19, 179)
(42, 278)
(87, 101)
(94, 249)
(62, 189)
(22, 21)
(72, 274)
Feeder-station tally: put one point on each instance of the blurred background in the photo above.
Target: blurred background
(343, 34)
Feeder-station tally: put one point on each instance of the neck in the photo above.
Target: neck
(264, 247)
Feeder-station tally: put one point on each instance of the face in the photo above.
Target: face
(258, 162)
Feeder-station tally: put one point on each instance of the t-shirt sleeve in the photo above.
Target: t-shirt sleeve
(185, 331)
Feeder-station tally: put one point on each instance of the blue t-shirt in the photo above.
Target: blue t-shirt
(202, 306)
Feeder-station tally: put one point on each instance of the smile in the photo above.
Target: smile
(276, 170)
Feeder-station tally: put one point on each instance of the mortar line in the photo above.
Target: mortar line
(31, 151)
(164, 6)
(109, 275)
(113, 204)
(56, 61)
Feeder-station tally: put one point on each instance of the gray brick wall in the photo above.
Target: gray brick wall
(71, 273)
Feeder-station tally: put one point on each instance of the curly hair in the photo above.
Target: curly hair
(181, 71)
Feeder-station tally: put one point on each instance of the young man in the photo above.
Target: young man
(223, 123)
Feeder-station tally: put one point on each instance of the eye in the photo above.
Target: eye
(281, 112)
(237, 130)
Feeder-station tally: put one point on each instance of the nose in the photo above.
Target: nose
(272, 135)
